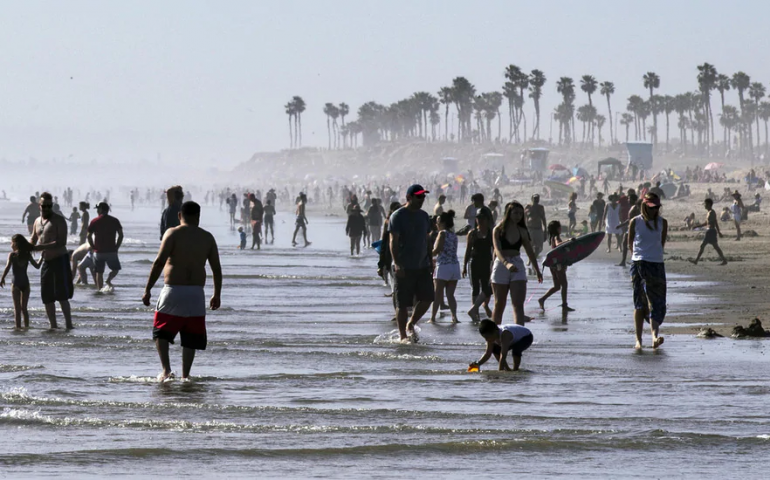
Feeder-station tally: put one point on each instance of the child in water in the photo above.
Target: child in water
(558, 272)
(18, 261)
(584, 230)
(243, 238)
(500, 341)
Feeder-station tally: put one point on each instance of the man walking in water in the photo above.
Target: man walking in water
(49, 236)
(31, 212)
(181, 307)
(101, 237)
(409, 227)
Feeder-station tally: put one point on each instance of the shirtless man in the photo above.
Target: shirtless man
(536, 223)
(438, 209)
(49, 236)
(711, 233)
(181, 307)
(31, 212)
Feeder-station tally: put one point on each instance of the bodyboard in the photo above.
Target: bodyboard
(573, 251)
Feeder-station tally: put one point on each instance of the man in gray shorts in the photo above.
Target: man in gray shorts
(409, 227)
(102, 233)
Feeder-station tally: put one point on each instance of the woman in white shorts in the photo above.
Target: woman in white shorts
(447, 271)
(508, 271)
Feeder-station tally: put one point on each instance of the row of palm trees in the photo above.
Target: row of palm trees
(420, 115)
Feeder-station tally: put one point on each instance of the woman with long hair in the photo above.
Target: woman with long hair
(85, 220)
(571, 213)
(646, 239)
(508, 272)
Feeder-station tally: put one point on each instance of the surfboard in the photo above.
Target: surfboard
(573, 251)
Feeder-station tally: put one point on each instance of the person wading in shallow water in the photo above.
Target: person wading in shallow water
(181, 307)
(301, 221)
(49, 236)
(409, 228)
(646, 239)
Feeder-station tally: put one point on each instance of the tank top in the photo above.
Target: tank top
(448, 254)
(506, 245)
(481, 249)
(517, 331)
(647, 243)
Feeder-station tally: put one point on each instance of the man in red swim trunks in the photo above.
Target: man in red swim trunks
(181, 307)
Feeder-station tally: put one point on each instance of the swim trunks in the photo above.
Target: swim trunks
(710, 238)
(56, 280)
(181, 309)
(649, 281)
(109, 259)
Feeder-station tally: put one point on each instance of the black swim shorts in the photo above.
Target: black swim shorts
(56, 280)
(413, 285)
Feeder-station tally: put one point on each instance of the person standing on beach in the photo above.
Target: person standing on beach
(105, 235)
(257, 213)
(478, 252)
(269, 220)
(646, 239)
(438, 209)
(737, 211)
(354, 229)
(572, 213)
(181, 307)
(447, 271)
(597, 213)
(536, 223)
(49, 236)
(711, 233)
(635, 210)
(409, 227)
(612, 221)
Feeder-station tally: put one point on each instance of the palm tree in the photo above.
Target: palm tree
(764, 114)
(757, 92)
(344, 109)
(328, 109)
(741, 83)
(600, 120)
(668, 105)
(463, 93)
(626, 119)
(435, 120)
(511, 93)
(651, 82)
(729, 119)
(589, 84)
(445, 97)
(493, 101)
(289, 108)
(607, 89)
(634, 106)
(722, 85)
(566, 87)
(536, 81)
(299, 107)
(707, 77)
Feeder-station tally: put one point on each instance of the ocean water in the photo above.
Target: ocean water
(297, 381)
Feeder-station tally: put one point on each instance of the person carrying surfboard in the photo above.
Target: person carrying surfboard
(558, 272)
(508, 272)
(646, 239)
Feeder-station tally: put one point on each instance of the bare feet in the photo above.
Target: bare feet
(724, 262)
(638, 346)
(694, 262)
(567, 308)
(455, 320)
(488, 311)
(474, 315)
(165, 376)
(432, 320)
(657, 342)
(621, 264)
(541, 301)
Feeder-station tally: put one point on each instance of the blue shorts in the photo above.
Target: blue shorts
(649, 281)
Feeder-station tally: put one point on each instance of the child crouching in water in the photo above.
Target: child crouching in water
(500, 341)
(558, 272)
(18, 261)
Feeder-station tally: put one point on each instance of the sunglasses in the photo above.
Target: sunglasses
(420, 196)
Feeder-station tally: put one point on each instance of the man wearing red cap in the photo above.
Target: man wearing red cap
(409, 227)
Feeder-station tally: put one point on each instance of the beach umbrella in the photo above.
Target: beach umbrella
(580, 172)
(556, 166)
(713, 166)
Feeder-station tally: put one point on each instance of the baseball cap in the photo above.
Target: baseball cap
(651, 200)
(103, 206)
(416, 189)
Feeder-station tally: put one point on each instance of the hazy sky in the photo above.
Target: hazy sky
(207, 80)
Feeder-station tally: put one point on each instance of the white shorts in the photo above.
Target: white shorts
(448, 272)
(503, 276)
